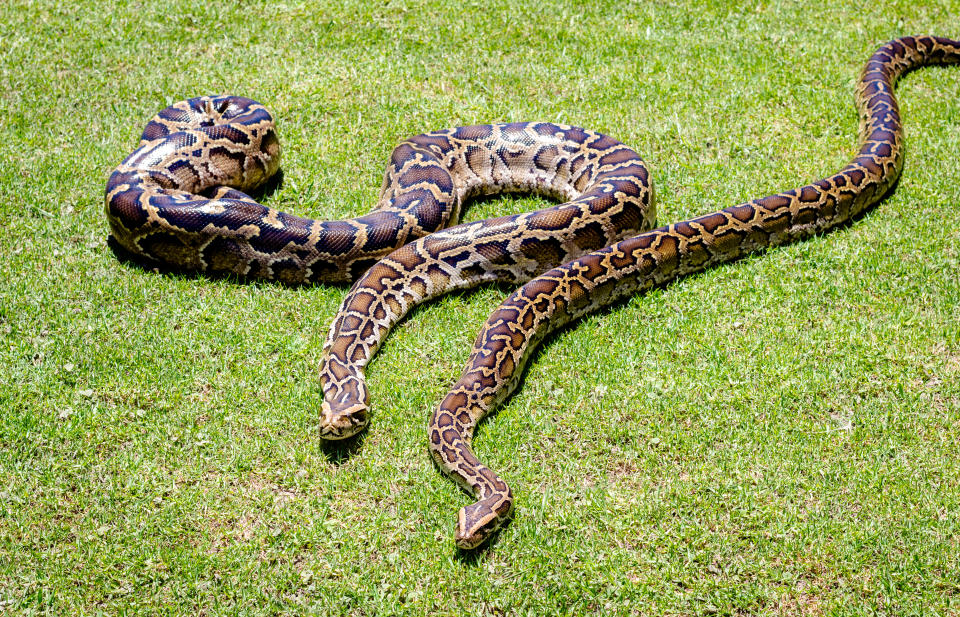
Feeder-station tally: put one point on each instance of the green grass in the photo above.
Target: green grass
(776, 436)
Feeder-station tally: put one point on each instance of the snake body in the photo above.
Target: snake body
(594, 280)
(609, 197)
(180, 199)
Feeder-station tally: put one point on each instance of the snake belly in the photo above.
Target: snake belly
(608, 196)
(654, 258)
(181, 198)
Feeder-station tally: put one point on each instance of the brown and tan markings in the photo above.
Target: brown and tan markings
(608, 195)
(566, 293)
(180, 199)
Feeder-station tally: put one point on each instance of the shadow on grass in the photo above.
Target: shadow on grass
(339, 451)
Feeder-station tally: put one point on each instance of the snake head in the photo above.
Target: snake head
(339, 421)
(478, 522)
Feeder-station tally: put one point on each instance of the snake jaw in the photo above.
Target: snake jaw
(342, 422)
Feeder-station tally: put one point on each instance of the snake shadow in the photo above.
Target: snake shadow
(340, 451)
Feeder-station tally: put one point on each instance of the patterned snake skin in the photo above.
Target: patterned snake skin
(609, 195)
(656, 257)
(179, 199)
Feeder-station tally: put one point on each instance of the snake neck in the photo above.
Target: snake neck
(450, 448)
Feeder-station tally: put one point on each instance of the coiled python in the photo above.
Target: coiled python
(180, 199)
(653, 258)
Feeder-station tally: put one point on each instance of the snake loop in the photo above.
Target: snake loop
(180, 199)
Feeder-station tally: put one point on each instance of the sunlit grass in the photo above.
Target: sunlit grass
(776, 436)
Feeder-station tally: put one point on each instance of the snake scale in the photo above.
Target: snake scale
(180, 199)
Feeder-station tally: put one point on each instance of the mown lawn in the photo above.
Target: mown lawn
(776, 436)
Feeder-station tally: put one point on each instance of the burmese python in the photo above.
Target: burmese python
(653, 258)
(179, 199)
